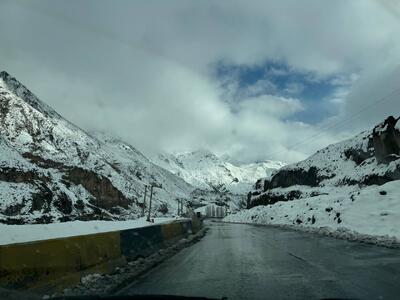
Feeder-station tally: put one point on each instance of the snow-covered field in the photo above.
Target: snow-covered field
(11, 234)
(373, 210)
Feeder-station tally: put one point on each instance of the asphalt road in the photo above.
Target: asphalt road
(256, 262)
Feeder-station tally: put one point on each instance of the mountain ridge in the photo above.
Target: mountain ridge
(24, 93)
(371, 157)
(54, 171)
(204, 169)
(350, 189)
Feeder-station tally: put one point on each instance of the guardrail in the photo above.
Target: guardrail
(58, 263)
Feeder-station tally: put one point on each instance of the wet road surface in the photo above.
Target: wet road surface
(257, 262)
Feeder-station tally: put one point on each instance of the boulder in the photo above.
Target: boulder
(386, 140)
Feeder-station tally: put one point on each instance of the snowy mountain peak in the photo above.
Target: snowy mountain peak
(51, 170)
(205, 170)
(13, 86)
(198, 155)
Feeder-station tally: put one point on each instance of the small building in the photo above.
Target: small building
(216, 211)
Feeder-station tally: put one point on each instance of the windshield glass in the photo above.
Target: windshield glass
(239, 149)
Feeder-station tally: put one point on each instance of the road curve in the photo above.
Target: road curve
(256, 262)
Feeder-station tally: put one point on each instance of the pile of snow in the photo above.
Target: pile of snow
(204, 170)
(11, 234)
(373, 210)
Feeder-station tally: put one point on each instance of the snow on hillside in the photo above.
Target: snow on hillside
(374, 210)
(352, 186)
(339, 164)
(52, 170)
(205, 170)
(131, 162)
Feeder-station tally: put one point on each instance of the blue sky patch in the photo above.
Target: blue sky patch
(273, 78)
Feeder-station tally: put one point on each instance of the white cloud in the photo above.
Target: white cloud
(261, 132)
(375, 96)
(294, 88)
(260, 87)
(142, 70)
(273, 106)
(273, 71)
(342, 79)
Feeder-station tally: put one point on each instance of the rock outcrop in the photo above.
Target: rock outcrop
(372, 157)
(386, 140)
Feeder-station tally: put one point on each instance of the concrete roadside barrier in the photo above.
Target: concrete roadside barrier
(58, 263)
(142, 242)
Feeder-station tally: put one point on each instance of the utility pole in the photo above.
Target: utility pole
(144, 200)
(180, 207)
(152, 186)
(151, 197)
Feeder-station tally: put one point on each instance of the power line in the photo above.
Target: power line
(338, 125)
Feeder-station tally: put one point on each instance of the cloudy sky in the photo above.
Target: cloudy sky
(252, 79)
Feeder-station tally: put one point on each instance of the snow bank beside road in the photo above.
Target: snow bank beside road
(11, 234)
(373, 210)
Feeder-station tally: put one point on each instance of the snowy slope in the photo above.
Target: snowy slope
(351, 186)
(52, 170)
(373, 210)
(205, 170)
(136, 167)
(372, 157)
(349, 161)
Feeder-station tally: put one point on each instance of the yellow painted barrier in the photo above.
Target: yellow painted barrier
(50, 265)
(28, 265)
(171, 231)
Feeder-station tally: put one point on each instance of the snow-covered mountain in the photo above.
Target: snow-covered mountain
(353, 185)
(372, 157)
(205, 170)
(51, 170)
